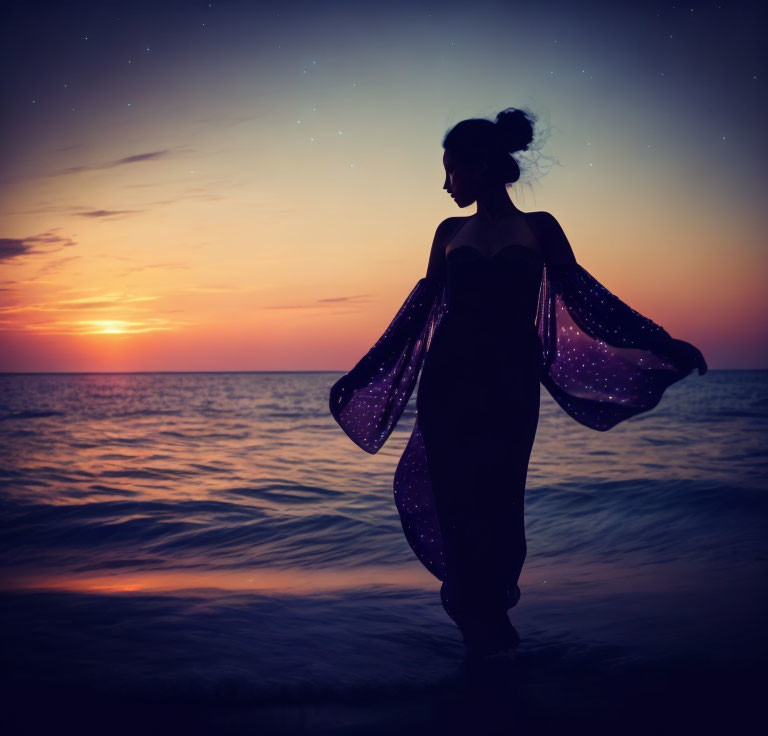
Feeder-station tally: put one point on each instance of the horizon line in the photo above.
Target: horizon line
(111, 373)
(226, 371)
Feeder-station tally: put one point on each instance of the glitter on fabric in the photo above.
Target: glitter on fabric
(601, 361)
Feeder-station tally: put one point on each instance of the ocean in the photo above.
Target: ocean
(214, 546)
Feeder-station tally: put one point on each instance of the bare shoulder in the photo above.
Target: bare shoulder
(541, 219)
(553, 241)
(443, 233)
(447, 227)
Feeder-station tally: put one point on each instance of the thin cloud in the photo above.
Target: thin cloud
(101, 301)
(15, 247)
(106, 213)
(68, 148)
(151, 156)
(101, 326)
(344, 298)
(78, 210)
(52, 267)
(51, 237)
(320, 302)
(137, 158)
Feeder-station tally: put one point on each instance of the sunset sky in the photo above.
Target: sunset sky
(255, 186)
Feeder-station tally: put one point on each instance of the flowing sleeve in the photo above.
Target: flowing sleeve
(601, 361)
(368, 401)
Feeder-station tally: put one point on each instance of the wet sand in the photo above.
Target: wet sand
(364, 663)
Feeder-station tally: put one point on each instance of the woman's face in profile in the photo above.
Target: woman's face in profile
(461, 181)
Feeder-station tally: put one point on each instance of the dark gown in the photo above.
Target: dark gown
(478, 434)
(483, 341)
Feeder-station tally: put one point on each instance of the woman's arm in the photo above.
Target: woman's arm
(436, 267)
(554, 244)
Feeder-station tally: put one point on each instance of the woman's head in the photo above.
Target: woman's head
(479, 153)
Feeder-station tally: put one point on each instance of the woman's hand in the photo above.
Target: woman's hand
(682, 353)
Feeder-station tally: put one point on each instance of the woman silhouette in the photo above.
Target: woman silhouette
(504, 306)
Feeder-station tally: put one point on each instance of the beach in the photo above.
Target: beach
(209, 552)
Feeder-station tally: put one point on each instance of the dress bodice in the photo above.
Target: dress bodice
(490, 317)
(487, 293)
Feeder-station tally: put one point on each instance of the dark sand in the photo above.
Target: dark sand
(362, 663)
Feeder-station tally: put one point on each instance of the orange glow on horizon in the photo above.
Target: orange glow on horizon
(264, 580)
(234, 222)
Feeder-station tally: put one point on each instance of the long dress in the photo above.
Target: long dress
(459, 484)
(478, 408)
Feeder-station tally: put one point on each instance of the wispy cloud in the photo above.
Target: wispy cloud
(101, 301)
(43, 243)
(195, 194)
(68, 148)
(151, 156)
(319, 303)
(364, 297)
(137, 158)
(106, 213)
(51, 268)
(14, 247)
(101, 326)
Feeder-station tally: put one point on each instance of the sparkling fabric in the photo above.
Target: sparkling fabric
(601, 361)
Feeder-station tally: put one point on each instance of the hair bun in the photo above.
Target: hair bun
(515, 128)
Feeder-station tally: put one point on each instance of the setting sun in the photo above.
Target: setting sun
(110, 327)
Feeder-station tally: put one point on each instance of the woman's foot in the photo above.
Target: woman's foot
(475, 652)
(498, 635)
(483, 633)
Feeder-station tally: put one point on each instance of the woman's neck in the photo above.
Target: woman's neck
(496, 205)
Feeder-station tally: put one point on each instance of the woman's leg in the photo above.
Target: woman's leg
(479, 454)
